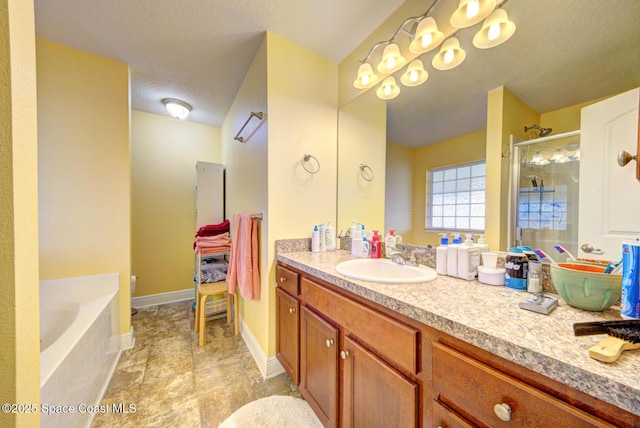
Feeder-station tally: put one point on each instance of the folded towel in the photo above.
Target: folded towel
(243, 271)
(222, 239)
(213, 229)
(212, 249)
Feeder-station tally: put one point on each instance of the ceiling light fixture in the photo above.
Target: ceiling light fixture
(424, 36)
(176, 108)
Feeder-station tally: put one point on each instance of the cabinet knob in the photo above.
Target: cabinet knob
(292, 310)
(344, 354)
(329, 343)
(283, 279)
(502, 411)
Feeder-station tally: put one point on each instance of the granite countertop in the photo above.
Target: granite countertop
(489, 317)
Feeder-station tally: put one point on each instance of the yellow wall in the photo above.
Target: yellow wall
(264, 173)
(84, 167)
(164, 152)
(399, 193)
(246, 179)
(362, 140)
(19, 321)
(506, 115)
(463, 149)
(565, 119)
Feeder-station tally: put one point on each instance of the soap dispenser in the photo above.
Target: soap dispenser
(468, 260)
(482, 243)
(375, 245)
(441, 255)
(452, 256)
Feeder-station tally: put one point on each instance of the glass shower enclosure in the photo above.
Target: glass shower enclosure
(544, 190)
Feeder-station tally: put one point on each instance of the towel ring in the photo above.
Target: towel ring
(366, 175)
(306, 158)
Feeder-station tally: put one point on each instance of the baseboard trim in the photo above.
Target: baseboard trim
(122, 342)
(269, 366)
(163, 298)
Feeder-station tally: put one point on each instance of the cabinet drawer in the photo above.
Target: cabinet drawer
(444, 417)
(474, 388)
(389, 337)
(287, 280)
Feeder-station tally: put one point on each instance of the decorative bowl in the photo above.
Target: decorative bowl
(586, 287)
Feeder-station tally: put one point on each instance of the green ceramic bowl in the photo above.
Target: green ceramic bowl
(587, 289)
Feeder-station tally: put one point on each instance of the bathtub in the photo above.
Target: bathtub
(78, 319)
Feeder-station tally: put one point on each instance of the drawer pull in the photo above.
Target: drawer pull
(344, 354)
(292, 310)
(502, 411)
(329, 343)
(283, 279)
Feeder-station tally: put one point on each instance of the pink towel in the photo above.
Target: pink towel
(243, 264)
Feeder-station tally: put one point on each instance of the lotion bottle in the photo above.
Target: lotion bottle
(441, 255)
(390, 242)
(330, 237)
(452, 256)
(468, 260)
(356, 243)
(365, 248)
(323, 239)
(315, 239)
(482, 244)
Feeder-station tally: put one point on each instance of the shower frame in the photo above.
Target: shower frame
(514, 177)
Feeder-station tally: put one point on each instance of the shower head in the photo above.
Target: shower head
(541, 132)
(545, 131)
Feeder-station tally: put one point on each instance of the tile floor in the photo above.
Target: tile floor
(172, 381)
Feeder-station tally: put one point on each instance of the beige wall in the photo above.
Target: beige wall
(19, 321)
(361, 141)
(463, 149)
(298, 92)
(399, 193)
(84, 167)
(164, 152)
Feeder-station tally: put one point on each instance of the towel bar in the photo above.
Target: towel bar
(259, 115)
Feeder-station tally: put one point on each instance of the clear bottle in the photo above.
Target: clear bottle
(534, 279)
(441, 255)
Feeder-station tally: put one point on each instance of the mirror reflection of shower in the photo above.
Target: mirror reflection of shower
(544, 190)
(537, 131)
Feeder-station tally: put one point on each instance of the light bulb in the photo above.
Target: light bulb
(473, 8)
(448, 56)
(391, 62)
(387, 90)
(364, 80)
(413, 76)
(427, 39)
(494, 31)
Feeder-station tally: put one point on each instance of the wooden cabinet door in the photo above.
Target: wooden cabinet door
(319, 366)
(374, 394)
(287, 333)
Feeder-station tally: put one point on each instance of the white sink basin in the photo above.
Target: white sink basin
(384, 270)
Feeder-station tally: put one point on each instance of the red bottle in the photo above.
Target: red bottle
(375, 245)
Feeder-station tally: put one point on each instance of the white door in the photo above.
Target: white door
(609, 194)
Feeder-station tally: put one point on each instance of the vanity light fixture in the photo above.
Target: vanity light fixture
(538, 159)
(470, 12)
(450, 56)
(496, 29)
(176, 108)
(427, 36)
(388, 90)
(391, 60)
(415, 74)
(559, 156)
(424, 36)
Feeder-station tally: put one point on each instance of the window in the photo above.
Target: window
(456, 197)
(543, 208)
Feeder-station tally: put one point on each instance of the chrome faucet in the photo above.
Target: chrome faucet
(403, 258)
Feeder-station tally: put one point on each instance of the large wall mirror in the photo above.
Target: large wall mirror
(563, 56)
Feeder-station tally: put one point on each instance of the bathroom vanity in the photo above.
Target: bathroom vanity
(448, 353)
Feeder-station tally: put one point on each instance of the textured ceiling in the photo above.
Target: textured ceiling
(563, 52)
(200, 50)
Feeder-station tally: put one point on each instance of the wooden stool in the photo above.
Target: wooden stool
(204, 292)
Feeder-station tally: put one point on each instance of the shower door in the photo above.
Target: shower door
(544, 192)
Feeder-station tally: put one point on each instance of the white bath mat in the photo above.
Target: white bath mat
(277, 411)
